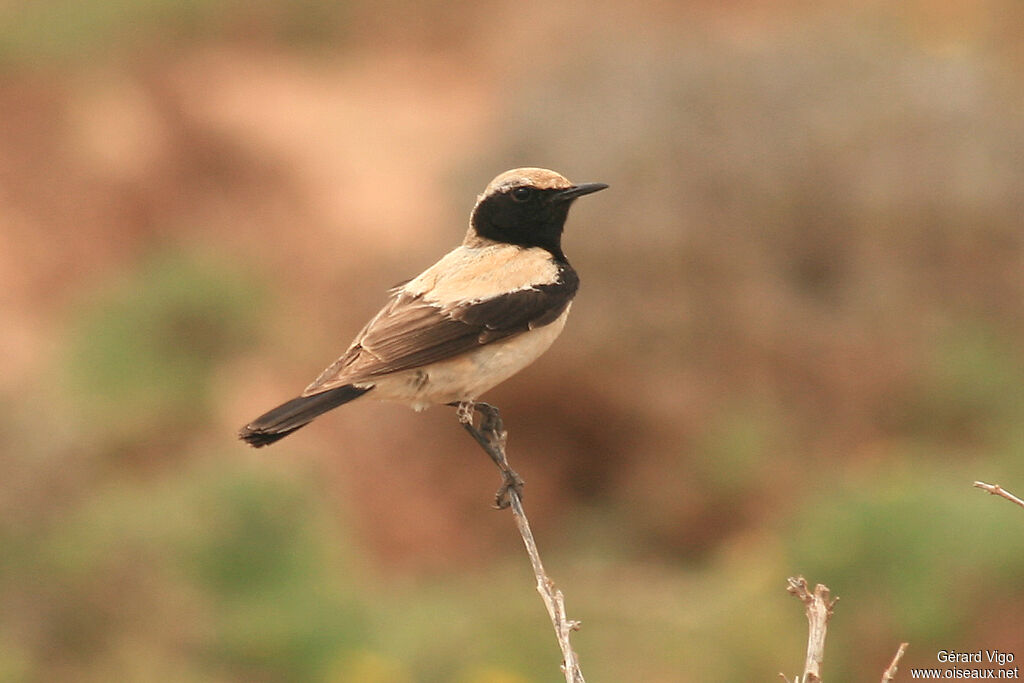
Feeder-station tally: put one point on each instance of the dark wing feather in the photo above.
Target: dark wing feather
(520, 311)
(411, 332)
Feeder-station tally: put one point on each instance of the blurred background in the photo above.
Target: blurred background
(799, 337)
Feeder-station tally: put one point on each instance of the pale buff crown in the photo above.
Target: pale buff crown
(540, 178)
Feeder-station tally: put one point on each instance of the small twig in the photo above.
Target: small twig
(997, 490)
(890, 673)
(492, 436)
(818, 606)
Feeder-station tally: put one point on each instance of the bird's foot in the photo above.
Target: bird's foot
(464, 411)
(511, 483)
(491, 436)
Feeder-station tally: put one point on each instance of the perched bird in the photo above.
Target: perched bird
(481, 314)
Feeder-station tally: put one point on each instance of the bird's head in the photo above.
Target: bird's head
(526, 207)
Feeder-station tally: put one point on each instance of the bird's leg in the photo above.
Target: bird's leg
(464, 411)
(491, 436)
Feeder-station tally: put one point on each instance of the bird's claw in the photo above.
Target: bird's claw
(511, 483)
(491, 436)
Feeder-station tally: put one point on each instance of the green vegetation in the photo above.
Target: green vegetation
(798, 341)
(66, 31)
(141, 353)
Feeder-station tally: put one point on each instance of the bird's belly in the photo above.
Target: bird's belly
(468, 376)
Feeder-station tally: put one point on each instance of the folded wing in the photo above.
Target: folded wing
(412, 331)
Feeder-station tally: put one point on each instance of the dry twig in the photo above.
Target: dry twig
(890, 673)
(818, 606)
(997, 490)
(491, 436)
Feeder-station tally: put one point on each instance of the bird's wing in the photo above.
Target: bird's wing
(412, 331)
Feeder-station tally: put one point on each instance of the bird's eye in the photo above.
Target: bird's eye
(521, 194)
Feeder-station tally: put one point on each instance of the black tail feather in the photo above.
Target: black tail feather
(286, 418)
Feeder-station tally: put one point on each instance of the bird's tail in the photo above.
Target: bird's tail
(286, 418)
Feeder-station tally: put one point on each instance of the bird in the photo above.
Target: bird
(483, 312)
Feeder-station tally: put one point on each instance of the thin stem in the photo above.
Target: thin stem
(890, 673)
(491, 436)
(818, 606)
(997, 490)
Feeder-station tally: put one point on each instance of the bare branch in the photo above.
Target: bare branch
(890, 673)
(997, 490)
(491, 436)
(552, 597)
(818, 606)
